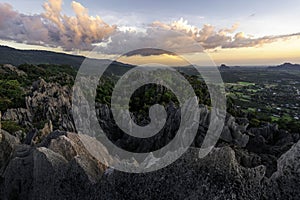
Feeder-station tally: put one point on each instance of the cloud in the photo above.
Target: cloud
(78, 32)
(148, 52)
(82, 31)
(21, 28)
(153, 37)
(240, 40)
(6, 12)
(54, 29)
(52, 12)
(181, 37)
(210, 38)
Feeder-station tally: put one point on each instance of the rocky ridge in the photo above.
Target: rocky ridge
(61, 168)
(248, 163)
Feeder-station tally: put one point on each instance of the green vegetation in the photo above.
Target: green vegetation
(11, 126)
(246, 83)
(150, 94)
(11, 95)
(259, 95)
(63, 74)
(13, 86)
(264, 95)
(254, 122)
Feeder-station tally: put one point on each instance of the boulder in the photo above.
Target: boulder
(7, 145)
(71, 147)
(284, 183)
(217, 176)
(59, 168)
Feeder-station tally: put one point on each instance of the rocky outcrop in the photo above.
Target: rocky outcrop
(50, 101)
(44, 132)
(7, 145)
(269, 143)
(217, 176)
(255, 163)
(71, 147)
(233, 133)
(11, 68)
(61, 169)
(19, 115)
(284, 183)
(45, 102)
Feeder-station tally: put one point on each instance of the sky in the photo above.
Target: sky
(233, 32)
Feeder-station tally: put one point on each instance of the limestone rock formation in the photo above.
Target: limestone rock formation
(247, 163)
(217, 176)
(50, 101)
(60, 167)
(19, 115)
(53, 172)
(11, 68)
(284, 183)
(7, 145)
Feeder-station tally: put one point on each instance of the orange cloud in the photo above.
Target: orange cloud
(78, 32)
(52, 12)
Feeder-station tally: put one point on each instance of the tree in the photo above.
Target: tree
(11, 95)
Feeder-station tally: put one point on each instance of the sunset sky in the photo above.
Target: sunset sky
(232, 32)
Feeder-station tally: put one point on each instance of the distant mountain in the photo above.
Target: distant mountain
(17, 57)
(224, 67)
(286, 66)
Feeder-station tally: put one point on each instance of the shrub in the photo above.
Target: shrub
(11, 126)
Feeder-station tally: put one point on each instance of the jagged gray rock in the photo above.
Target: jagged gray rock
(30, 136)
(217, 176)
(235, 133)
(51, 101)
(51, 173)
(284, 183)
(18, 172)
(19, 115)
(72, 149)
(44, 102)
(7, 145)
(62, 168)
(270, 143)
(13, 69)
